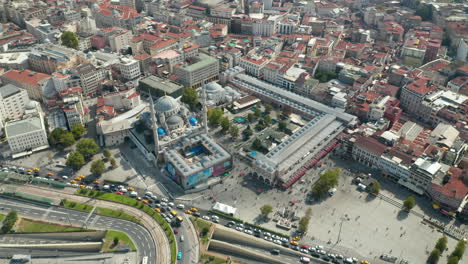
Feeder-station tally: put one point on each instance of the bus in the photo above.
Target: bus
(144, 260)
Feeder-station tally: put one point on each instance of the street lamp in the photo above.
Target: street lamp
(343, 218)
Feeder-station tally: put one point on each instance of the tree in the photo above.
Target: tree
(267, 120)
(9, 222)
(78, 130)
(453, 260)
(69, 39)
(268, 108)
(441, 244)
(190, 97)
(247, 132)
(434, 256)
(266, 210)
(87, 147)
(250, 117)
(257, 113)
(327, 180)
(224, 124)
(113, 163)
(409, 203)
(257, 144)
(375, 188)
(107, 154)
(61, 138)
(286, 112)
(234, 131)
(116, 241)
(282, 125)
(75, 160)
(214, 116)
(97, 167)
(459, 250)
(425, 12)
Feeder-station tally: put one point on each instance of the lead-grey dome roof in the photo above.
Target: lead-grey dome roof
(213, 87)
(174, 120)
(166, 104)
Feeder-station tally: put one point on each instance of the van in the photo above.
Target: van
(332, 191)
(305, 260)
(181, 238)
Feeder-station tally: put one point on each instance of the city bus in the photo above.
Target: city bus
(144, 260)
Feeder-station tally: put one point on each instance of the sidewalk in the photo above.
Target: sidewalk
(163, 252)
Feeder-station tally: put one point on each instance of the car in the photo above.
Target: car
(89, 187)
(230, 224)
(36, 169)
(157, 205)
(157, 210)
(124, 190)
(215, 220)
(181, 238)
(176, 231)
(205, 217)
(167, 219)
(318, 247)
(75, 185)
(65, 177)
(148, 194)
(305, 246)
(57, 178)
(196, 214)
(321, 252)
(139, 198)
(325, 257)
(188, 212)
(29, 170)
(133, 194)
(145, 201)
(164, 204)
(275, 251)
(294, 247)
(240, 229)
(120, 187)
(305, 260)
(131, 188)
(181, 206)
(294, 243)
(82, 186)
(303, 250)
(171, 204)
(164, 200)
(179, 255)
(96, 182)
(50, 174)
(330, 255)
(193, 209)
(364, 262)
(339, 256)
(119, 193)
(296, 238)
(267, 238)
(250, 232)
(277, 241)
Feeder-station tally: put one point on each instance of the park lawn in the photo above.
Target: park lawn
(77, 206)
(123, 240)
(2, 216)
(206, 258)
(117, 214)
(30, 226)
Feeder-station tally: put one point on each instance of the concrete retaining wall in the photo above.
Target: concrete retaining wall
(77, 247)
(237, 250)
(96, 236)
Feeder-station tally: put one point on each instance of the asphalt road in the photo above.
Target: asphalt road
(139, 234)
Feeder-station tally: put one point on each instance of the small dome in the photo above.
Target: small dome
(166, 104)
(31, 105)
(174, 120)
(213, 87)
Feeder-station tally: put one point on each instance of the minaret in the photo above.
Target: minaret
(154, 126)
(205, 110)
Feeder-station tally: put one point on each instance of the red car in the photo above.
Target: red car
(57, 178)
(305, 246)
(119, 193)
(176, 231)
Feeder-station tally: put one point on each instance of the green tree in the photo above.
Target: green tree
(266, 210)
(113, 163)
(409, 203)
(87, 147)
(9, 222)
(61, 138)
(268, 108)
(459, 250)
(375, 188)
(425, 12)
(285, 112)
(441, 244)
(327, 180)
(250, 117)
(257, 113)
(75, 160)
(190, 97)
(453, 260)
(434, 256)
(116, 241)
(224, 124)
(98, 167)
(78, 130)
(282, 125)
(247, 132)
(257, 144)
(107, 154)
(69, 39)
(234, 131)
(67, 139)
(267, 120)
(214, 116)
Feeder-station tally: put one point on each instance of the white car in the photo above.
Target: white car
(276, 241)
(120, 187)
(318, 247)
(181, 206)
(171, 204)
(124, 190)
(64, 177)
(240, 229)
(75, 185)
(305, 260)
(303, 250)
(148, 194)
(205, 217)
(133, 194)
(165, 200)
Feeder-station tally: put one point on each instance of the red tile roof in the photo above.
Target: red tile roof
(421, 86)
(456, 187)
(26, 76)
(371, 145)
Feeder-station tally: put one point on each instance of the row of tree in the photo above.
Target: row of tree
(440, 246)
(9, 222)
(85, 150)
(61, 138)
(216, 118)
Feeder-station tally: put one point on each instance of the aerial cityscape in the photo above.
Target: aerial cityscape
(234, 131)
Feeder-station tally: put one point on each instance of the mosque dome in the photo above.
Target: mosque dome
(31, 105)
(174, 121)
(213, 87)
(166, 104)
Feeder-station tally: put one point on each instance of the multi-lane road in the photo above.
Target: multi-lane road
(140, 236)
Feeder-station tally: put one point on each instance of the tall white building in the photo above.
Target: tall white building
(129, 68)
(12, 102)
(26, 136)
(87, 25)
(462, 50)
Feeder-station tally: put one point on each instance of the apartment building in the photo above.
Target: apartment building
(201, 70)
(12, 102)
(27, 135)
(38, 85)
